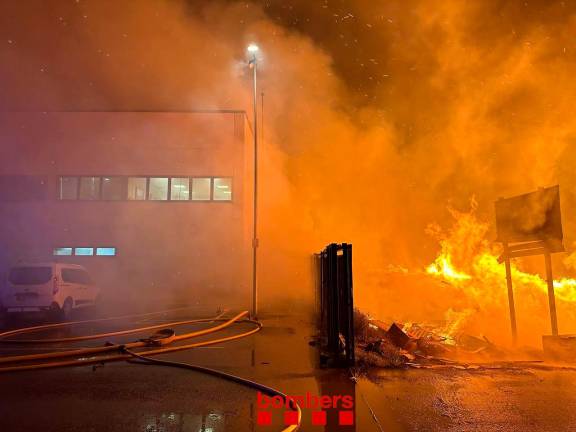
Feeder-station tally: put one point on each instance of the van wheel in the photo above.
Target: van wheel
(98, 304)
(66, 311)
(54, 314)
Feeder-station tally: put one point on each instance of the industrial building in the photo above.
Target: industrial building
(156, 205)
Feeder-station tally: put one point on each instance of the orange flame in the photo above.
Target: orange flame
(482, 263)
(469, 262)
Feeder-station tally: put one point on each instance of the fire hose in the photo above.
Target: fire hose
(7, 334)
(112, 347)
(260, 387)
(159, 341)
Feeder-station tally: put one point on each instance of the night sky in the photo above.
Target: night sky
(362, 36)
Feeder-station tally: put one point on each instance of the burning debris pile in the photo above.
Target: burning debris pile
(394, 345)
(454, 312)
(463, 292)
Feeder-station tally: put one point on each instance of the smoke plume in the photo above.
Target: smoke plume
(378, 117)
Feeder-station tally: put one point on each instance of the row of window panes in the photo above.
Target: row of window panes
(84, 251)
(146, 188)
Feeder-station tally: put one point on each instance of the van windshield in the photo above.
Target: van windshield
(30, 275)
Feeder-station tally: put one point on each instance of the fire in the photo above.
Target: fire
(443, 266)
(565, 289)
(480, 264)
(462, 294)
(447, 332)
(468, 263)
(454, 321)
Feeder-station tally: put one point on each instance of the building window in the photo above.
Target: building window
(106, 251)
(201, 188)
(112, 188)
(63, 251)
(137, 188)
(84, 251)
(179, 188)
(89, 188)
(68, 188)
(222, 189)
(118, 188)
(158, 190)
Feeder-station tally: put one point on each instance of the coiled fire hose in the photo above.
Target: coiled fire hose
(160, 340)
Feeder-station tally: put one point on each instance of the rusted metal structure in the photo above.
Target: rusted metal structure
(336, 303)
(529, 225)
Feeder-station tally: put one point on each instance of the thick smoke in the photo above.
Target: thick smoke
(460, 100)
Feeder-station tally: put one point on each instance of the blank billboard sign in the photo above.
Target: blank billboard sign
(529, 217)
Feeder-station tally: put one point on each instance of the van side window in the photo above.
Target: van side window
(68, 276)
(76, 276)
(84, 277)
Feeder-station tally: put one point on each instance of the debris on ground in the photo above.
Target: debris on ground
(396, 345)
(397, 336)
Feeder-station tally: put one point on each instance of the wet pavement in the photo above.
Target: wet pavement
(131, 397)
(490, 400)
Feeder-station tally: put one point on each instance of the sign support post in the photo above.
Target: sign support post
(510, 296)
(551, 297)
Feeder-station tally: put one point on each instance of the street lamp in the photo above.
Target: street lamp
(252, 50)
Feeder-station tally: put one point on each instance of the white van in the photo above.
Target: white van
(52, 287)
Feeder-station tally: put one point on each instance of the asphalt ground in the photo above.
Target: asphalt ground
(123, 396)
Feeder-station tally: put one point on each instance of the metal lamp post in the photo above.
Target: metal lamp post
(252, 50)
